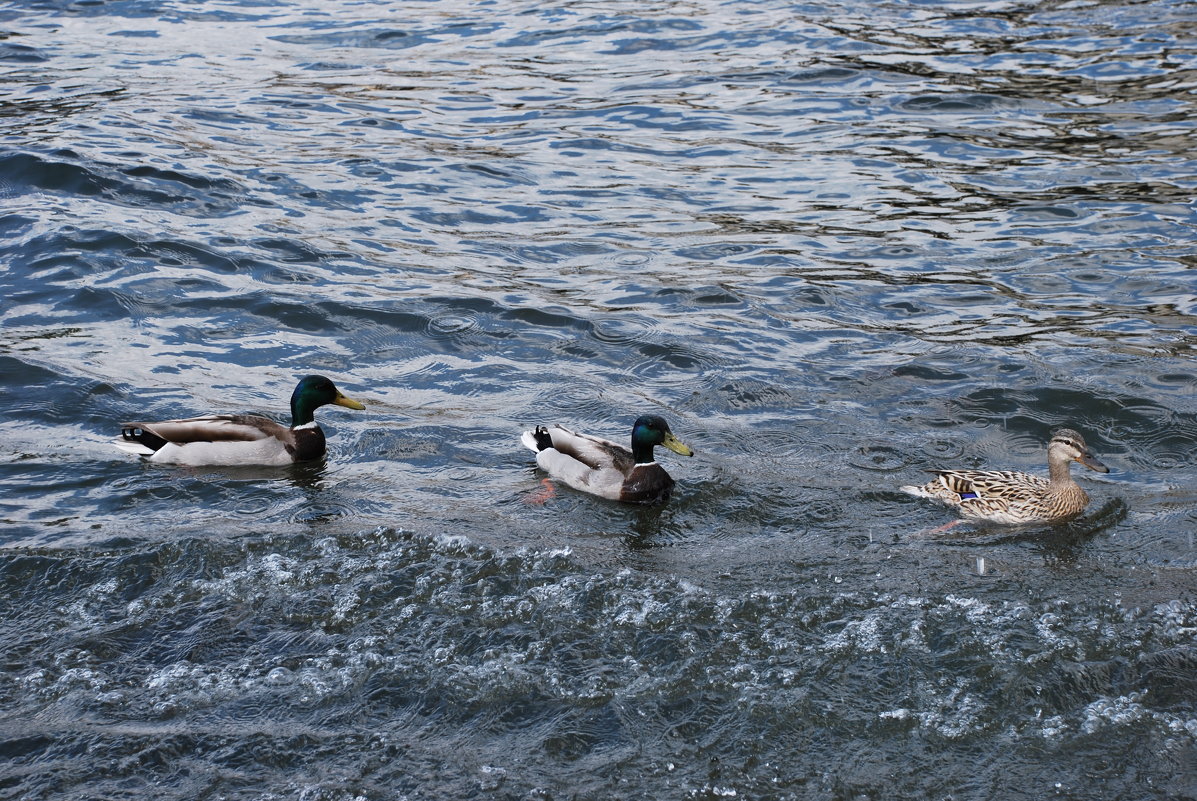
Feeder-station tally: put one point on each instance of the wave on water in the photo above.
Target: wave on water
(834, 245)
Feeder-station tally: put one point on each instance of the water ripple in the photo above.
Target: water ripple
(833, 245)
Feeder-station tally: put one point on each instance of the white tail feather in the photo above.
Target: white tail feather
(529, 440)
(135, 448)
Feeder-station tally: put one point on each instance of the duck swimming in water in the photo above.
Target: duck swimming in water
(1002, 496)
(606, 468)
(239, 439)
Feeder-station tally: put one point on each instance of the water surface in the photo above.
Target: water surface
(833, 244)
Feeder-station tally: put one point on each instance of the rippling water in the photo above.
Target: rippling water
(833, 244)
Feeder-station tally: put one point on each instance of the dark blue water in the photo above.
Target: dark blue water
(833, 244)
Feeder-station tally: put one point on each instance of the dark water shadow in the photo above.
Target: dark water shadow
(646, 524)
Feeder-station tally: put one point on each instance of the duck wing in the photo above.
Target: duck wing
(957, 487)
(595, 453)
(584, 462)
(210, 428)
(993, 484)
(221, 440)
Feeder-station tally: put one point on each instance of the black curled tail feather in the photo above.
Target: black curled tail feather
(143, 437)
(543, 440)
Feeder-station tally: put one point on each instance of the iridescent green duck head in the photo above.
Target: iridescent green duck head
(650, 431)
(311, 393)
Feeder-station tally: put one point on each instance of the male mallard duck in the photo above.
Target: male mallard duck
(605, 468)
(239, 439)
(1003, 496)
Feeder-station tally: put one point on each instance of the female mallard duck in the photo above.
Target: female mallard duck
(605, 468)
(1003, 496)
(239, 439)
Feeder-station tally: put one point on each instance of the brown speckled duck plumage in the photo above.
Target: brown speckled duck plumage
(1004, 496)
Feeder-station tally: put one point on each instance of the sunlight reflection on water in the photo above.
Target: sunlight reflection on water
(834, 245)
